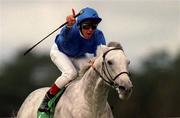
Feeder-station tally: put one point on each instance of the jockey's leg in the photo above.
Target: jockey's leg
(65, 65)
(49, 95)
(69, 73)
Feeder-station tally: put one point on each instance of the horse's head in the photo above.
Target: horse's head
(114, 69)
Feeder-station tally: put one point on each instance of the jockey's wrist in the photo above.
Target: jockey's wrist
(69, 26)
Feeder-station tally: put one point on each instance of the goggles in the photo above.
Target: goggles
(88, 26)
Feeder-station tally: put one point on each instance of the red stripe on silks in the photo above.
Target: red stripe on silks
(54, 89)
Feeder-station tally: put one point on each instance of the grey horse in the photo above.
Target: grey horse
(87, 97)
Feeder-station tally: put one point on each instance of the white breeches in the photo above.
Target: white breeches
(68, 66)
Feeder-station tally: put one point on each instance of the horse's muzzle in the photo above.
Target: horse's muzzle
(125, 91)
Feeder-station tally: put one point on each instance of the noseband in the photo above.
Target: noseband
(110, 80)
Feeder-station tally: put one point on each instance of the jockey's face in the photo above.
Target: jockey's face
(87, 29)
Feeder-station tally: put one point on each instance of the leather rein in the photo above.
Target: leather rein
(110, 80)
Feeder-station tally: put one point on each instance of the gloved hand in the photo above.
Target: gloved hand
(70, 19)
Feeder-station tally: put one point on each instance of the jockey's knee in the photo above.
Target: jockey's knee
(73, 74)
(70, 74)
(65, 78)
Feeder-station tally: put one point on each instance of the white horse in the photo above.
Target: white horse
(87, 97)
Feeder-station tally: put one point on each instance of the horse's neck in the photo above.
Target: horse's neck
(101, 93)
(95, 89)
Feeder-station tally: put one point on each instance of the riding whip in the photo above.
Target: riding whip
(52, 32)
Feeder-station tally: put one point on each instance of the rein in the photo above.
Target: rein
(111, 80)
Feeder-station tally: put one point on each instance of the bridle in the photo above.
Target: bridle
(110, 80)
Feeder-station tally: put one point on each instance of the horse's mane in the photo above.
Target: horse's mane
(88, 65)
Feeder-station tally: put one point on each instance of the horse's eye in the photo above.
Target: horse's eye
(109, 62)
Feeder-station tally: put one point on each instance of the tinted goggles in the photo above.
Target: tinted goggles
(88, 26)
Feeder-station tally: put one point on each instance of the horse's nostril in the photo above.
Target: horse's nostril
(128, 90)
(122, 88)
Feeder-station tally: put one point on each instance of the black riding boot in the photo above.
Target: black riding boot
(44, 110)
(44, 105)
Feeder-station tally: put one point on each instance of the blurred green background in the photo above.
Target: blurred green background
(156, 91)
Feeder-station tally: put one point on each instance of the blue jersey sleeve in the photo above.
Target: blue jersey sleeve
(101, 40)
(65, 35)
(66, 32)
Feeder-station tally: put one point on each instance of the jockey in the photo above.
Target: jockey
(74, 41)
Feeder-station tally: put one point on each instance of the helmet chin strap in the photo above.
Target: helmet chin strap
(80, 31)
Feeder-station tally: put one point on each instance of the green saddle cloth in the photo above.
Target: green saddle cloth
(52, 104)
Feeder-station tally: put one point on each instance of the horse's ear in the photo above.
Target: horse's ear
(101, 49)
(115, 44)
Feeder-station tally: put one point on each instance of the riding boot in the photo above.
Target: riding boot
(44, 105)
(44, 110)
